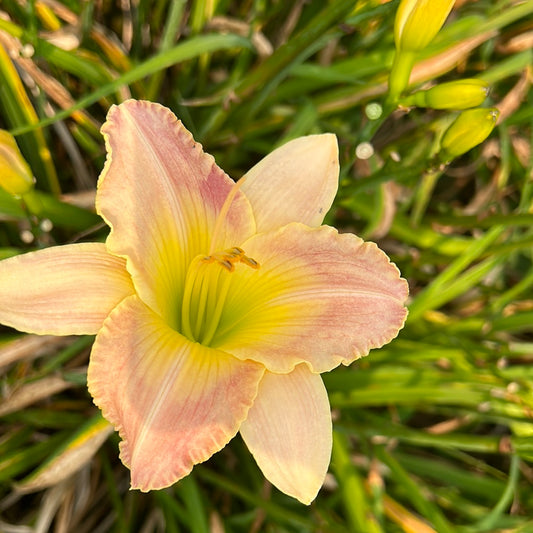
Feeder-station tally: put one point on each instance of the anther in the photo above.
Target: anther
(250, 262)
(227, 264)
(228, 259)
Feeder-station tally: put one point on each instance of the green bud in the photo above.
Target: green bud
(418, 21)
(15, 174)
(460, 94)
(469, 129)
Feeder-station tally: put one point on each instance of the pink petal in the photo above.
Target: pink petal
(288, 431)
(318, 297)
(64, 290)
(174, 402)
(161, 195)
(295, 183)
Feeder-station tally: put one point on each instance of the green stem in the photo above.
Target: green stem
(423, 195)
(399, 75)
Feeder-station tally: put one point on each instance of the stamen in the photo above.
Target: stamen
(217, 314)
(235, 251)
(204, 302)
(228, 265)
(250, 262)
(186, 311)
(205, 292)
(228, 258)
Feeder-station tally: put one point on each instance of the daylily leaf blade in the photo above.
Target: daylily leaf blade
(75, 453)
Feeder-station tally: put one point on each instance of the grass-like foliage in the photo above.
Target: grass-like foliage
(433, 432)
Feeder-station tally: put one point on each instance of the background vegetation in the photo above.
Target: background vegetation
(433, 432)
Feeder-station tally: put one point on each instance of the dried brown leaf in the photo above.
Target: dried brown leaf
(29, 347)
(31, 393)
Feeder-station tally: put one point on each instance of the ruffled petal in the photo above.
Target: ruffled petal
(64, 290)
(318, 297)
(295, 183)
(161, 195)
(174, 402)
(288, 431)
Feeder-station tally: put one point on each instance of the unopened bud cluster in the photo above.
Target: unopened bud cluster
(417, 23)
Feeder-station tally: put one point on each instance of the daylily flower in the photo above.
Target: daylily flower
(216, 305)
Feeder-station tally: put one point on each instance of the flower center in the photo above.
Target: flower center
(207, 284)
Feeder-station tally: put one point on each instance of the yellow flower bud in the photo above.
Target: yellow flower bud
(469, 129)
(460, 94)
(418, 21)
(15, 174)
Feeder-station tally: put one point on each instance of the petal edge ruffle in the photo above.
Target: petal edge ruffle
(161, 195)
(319, 297)
(175, 403)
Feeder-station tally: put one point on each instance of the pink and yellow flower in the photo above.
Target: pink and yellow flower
(215, 305)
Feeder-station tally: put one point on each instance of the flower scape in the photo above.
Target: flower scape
(216, 305)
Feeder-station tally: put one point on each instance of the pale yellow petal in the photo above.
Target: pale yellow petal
(63, 290)
(288, 431)
(295, 183)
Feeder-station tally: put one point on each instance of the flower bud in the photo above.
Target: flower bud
(15, 174)
(469, 129)
(418, 21)
(460, 94)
